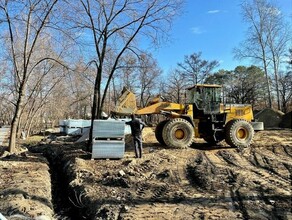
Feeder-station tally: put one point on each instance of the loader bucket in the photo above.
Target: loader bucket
(126, 104)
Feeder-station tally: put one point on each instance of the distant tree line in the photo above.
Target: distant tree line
(71, 59)
(243, 85)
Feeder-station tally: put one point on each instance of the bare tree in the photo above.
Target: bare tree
(278, 38)
(115, 27)
(24, 24)
(175, 86)
(79, 86)
(285, 90)
(149, 73)
(285, 85)
(6, 108)
(6, 105)
(48, 76)
(128, 72)
(196, 69)
(139, 74)
(266, 41)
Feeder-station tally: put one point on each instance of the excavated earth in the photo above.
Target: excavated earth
(58, 180)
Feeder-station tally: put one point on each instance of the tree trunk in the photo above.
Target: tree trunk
(30, 123)
(277, 82)
(95, 107)
(18, 131)
(278, 93)
(93, 113)
(15, 121)
(268, 82)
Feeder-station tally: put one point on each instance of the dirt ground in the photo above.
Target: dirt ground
(201, 182)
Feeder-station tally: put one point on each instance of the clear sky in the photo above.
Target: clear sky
(213, 27)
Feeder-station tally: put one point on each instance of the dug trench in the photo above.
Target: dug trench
(200, 182)
(66, 203)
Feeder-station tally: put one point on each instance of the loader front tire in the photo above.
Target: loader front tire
(239, 133)
(158, 132)
(178, 133)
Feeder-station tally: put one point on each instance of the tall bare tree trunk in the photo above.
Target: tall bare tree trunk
(15, 120)
(277, 87)
(95, 111)
(268, 83)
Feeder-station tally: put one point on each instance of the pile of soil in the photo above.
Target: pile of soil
(25, 187)
(147, 136)
(271, 117)
(286, 120)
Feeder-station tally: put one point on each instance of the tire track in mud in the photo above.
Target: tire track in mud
(256, 168)
(141, 190)
(160, 211)
(273, 165)
(197, 170)
(275, 212)
(279, 153)
(160, 192)
(247, 180)
(274, 160)
(180, 169)
(154, 192)
(162, 188)
(284, 154)
(238, 203)
(223, 159)
(282, 150)
(223, 181)
(232, 181)
(288, 150)
(278, 163)
(266, 185)
(170, 175)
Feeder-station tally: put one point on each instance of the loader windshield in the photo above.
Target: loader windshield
(205, 97)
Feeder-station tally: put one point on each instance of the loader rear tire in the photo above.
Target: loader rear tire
(158, 132)
(178, 133)
(239, 133)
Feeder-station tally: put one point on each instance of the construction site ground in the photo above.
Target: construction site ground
(58, 180)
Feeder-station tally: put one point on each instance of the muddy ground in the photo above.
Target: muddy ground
(59, 181)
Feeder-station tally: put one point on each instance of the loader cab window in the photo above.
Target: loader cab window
(206, 98)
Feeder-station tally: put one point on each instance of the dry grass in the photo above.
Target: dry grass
(33, 140)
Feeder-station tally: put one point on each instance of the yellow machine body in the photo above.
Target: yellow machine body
(203, 115)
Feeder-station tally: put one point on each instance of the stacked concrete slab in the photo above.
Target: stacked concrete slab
(62, 125)
(127, 127)
(108, 139)
(85, 131)
(74, 126)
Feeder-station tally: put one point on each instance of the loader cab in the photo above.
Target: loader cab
(206, 99)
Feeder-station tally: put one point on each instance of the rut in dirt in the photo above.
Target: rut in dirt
(258, 184)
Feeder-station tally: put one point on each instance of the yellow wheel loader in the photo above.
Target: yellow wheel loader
(203, 116)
